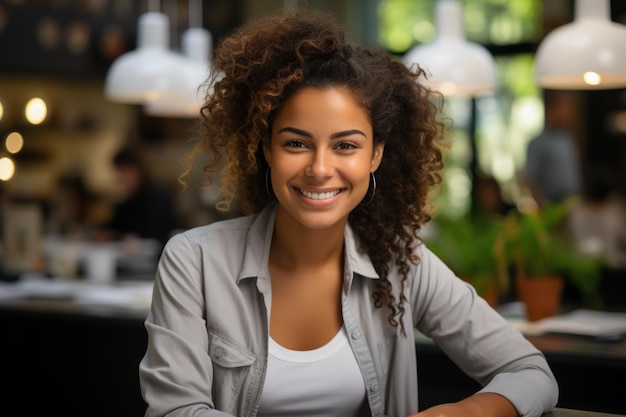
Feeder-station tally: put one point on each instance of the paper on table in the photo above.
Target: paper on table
(34, 286)
(128, 295)
(580, 322)
(133, 296)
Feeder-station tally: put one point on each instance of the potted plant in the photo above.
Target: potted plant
(532, 250)
(466, 245)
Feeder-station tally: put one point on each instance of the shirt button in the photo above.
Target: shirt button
(374, 387)
(356, 333)
(219, 352)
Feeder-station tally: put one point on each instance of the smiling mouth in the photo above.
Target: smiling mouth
(319, 196)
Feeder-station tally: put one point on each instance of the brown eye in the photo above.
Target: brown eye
(295, 144)
(345, 146)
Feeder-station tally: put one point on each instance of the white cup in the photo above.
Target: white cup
(100, 264)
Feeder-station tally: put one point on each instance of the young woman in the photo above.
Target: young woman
(308, 305)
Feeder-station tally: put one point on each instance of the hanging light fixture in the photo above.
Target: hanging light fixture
(587, 54)
(197, 51)
(456, 66)
(141, 75)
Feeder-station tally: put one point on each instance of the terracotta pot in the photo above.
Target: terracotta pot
(541, 296)
(490, 294)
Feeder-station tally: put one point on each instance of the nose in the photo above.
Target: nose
(320, 165)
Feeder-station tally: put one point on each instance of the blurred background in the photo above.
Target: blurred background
(60, 133)
(90, 191)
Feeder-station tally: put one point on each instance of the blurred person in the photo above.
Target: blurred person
(143, 209)
(308, 305)
(597, 224)
(552, 171)
(489, 198)
(71, 208)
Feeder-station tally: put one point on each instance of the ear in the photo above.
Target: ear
(267, 152)
(377, 157)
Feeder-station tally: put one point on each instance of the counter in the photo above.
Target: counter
(588, 372)
(72, 359)
(80, 358)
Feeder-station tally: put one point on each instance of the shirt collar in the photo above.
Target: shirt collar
(259, 240)
(357, 261)
(258, 243)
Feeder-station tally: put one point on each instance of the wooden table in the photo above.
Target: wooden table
(564, 412)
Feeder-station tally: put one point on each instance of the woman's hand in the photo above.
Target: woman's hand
(478, 405)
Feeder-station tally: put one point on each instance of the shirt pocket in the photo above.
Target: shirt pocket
(231, 366)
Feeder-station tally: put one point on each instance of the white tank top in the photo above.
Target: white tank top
(324, 382)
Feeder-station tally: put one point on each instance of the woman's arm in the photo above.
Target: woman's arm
(479, 405)
(481, 342)
(176, 371)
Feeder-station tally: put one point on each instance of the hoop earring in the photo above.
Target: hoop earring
(268, 184)
(373, 182)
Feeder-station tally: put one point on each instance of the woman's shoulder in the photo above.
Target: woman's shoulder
(218, 232)
(428, 267)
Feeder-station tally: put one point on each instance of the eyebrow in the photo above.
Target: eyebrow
(333, 136)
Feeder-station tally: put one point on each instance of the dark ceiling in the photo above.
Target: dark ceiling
(82, 38)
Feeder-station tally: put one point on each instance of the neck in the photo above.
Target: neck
(297, 247)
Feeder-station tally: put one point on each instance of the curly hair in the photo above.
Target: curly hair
(260, 64)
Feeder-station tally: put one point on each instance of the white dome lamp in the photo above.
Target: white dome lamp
(197, 50)
(587, 54)
(139, 76)
(456, 66)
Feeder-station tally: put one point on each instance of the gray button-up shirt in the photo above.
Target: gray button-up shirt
(208, 328)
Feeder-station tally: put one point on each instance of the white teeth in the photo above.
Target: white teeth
(319, 196)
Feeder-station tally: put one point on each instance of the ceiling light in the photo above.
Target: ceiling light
(456, 66)
(197, 52)
(585, 54)
(141, 75)
(187, 101)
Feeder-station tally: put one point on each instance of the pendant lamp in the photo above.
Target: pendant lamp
(456, 66)
(139, 76)
(197, 52)
(587, 54)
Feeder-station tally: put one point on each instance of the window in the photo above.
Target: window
(505, 121)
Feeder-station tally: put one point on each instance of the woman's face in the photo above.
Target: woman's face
(321, 156)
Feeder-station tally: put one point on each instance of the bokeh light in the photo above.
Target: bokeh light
(36, 111)
(7, 168)
(14, 142)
